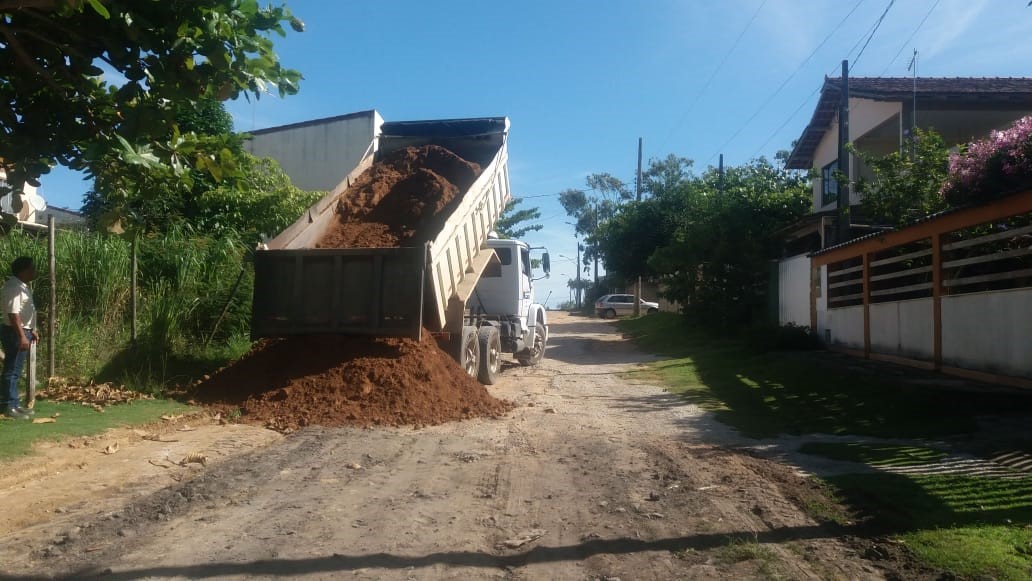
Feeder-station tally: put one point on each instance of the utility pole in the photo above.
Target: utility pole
(843, 158)
(720, 174)
(637, 181)
(596, 245)
(913, 116)
(578, 274)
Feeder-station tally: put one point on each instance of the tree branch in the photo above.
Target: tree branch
(26, 59)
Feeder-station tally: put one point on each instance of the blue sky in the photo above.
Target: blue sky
(582, 80)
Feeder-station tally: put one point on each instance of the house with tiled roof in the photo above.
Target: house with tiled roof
(882, 113)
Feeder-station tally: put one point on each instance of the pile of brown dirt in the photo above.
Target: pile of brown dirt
(332, 380)
(402, 200)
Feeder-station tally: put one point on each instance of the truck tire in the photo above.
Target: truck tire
(490, 354)
(536, 352)
(469, 351)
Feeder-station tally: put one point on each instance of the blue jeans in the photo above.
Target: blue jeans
(14, 361)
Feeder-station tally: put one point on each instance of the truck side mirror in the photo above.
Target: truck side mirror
(546, 263)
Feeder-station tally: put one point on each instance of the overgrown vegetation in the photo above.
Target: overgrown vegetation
(970, 525)
(185, 281)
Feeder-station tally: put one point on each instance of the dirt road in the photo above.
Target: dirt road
(591, 477)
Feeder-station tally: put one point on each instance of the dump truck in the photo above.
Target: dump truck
(473, 291)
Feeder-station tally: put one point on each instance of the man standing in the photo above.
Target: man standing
(16, 334)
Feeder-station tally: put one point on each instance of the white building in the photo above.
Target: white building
(316, 154)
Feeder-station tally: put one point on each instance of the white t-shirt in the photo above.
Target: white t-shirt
(17, 298)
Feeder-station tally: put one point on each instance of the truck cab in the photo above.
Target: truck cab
(504, 296)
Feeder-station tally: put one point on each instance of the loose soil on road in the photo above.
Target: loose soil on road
(590, 477)
(332, 381)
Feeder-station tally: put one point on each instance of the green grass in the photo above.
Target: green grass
(882, 455)
(738, 550)
(17, 437)
(968, 525)
(766, 394)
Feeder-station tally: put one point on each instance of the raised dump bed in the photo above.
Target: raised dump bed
(303, 287)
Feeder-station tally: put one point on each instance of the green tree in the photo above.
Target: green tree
(591, 210)
(711, 249)
(906, 183)
(79, 78)
(262, 202)
(154, 196)
(513, 223)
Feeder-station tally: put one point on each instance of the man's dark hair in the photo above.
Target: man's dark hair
(21, 264)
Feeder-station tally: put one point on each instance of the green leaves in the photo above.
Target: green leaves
(512, 223)
(119, 66)
(906, 183)
(99, 8)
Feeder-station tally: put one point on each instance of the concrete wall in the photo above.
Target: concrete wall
(847, 327)
(318, 154)
(794, 291)
(989, 331)
(903, 328)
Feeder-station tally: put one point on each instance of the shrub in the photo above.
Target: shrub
(790, 337)
(991, 167)
(185, 280)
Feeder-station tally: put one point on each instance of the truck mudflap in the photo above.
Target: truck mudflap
(361, 291)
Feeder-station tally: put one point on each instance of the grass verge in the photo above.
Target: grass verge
(971, 526)
(766, 394)
(17, 437)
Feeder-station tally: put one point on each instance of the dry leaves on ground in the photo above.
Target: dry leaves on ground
(96, 396)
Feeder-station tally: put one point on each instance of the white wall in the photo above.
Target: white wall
(903, 328)
(794, 291)
(847, 326)
(989, 331)
(318, 154)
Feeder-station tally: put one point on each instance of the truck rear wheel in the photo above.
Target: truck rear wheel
(469, 351)
(490, 354)
(534, 354)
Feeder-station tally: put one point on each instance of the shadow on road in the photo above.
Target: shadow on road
(341, 563)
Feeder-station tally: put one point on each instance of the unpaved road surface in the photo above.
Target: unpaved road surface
(591, 477)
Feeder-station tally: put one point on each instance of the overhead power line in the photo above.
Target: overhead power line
(910, 38)
(713, 75)
(877, 25)
(784, 83)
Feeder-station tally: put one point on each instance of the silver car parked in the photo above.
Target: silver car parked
(611, 306)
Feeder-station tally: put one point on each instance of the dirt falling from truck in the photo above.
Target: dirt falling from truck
(402, 200)
(332, 380)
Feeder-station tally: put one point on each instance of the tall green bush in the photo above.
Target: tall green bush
(185, 280)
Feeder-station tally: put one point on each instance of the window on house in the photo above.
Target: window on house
(829, 185)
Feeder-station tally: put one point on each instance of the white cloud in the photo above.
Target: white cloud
(952, 20)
